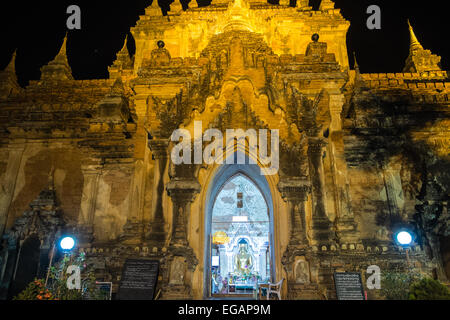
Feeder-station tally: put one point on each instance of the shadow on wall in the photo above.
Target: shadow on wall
(27, 265)
(396, 126)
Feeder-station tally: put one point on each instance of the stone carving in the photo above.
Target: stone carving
(177, 271)
(383, 234)
(235, 64)
(301, 273)
(160, 56)
(170, 112)
(43, 219)
(316, 51)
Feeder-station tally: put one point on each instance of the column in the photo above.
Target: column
(91, 175)
(262, 263)
(10, 254)
(295, 191)
(159, 153)
(345, 223)
(133, 229)
(230, 262)
(9, 183)
(321, 226)
(223, 261)
(182, 192)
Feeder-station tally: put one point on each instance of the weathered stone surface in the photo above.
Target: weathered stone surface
(361, 155)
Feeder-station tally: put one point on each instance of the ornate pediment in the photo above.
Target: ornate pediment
(310, 116)
(44, 218)
(170, 114)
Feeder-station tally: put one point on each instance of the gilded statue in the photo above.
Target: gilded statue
(243, 261)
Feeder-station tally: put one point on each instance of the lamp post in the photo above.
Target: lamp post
(404, 238)
(66, 243)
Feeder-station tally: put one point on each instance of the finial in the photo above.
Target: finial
(175, 7)
(59, 67)
(415, 44)
(154, 9)
(302, 3)
(125, 42)
(360, 83)
(63, 49)
(356, 66)
(326, 5)
(12, 63)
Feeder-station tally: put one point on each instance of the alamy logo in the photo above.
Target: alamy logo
(374, 281)
(74, 280)
(213, 152)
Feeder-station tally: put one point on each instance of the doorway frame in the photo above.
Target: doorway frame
(223, 174)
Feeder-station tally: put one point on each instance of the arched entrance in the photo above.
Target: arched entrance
(239, 233)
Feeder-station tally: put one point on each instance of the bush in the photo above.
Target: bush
(56, 288)
(35, 291)
(428, 289)
(395, 284)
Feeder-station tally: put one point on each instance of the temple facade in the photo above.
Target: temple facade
(355, 157)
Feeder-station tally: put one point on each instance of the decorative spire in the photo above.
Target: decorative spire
(124, 49)
(192, 4)
(356, 66)
(326, 5)
(63, 50)
(154, 9)
(302, 4)
(419, 59)
(8, 79)
(415, 44)
(123, 62)
(360, 83)
(58, 68)
(11, 67)
(62, 54)
(175, 8)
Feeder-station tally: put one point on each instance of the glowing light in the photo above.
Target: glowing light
(240, 218)
(220, 237)
(404, 238)
(67, 243)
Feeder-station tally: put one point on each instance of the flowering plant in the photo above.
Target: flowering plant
(57, 288)
(36, 290)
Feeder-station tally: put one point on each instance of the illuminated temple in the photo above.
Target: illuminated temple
(361, 156)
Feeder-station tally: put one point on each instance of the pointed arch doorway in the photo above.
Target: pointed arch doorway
(238, 232)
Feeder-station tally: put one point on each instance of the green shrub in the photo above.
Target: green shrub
(395, 284)
(35, 291)
(428, 289)
(56, 288)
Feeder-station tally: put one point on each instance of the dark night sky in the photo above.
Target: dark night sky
(36, 29)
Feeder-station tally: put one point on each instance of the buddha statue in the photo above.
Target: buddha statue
(243, 261)
(160, 56)
(316, 50)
